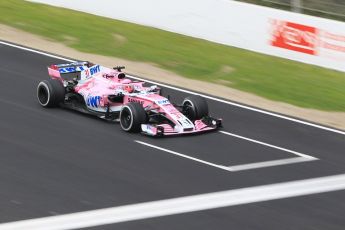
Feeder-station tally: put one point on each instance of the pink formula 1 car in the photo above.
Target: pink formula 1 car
(108, 94)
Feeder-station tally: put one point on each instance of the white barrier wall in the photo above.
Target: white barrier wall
(289, 35)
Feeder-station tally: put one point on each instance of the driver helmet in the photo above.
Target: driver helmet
(128, 88)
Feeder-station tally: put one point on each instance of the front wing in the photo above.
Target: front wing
(203, 125)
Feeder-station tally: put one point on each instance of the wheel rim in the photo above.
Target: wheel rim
(126, 118)
(42, 95)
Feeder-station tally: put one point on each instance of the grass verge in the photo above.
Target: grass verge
(270, 77)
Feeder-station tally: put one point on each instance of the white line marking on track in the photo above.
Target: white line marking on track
(191, 92)
(265, 164)
(181, 205)
(36, 51)
(269, 145)
(233, 168)
(184, 156)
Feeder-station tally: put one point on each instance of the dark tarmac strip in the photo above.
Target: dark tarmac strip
(56, 161)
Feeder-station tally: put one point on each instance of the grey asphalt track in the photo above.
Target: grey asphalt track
(56, 161)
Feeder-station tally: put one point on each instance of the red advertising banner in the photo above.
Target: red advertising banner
(305, 39)
(296, 37)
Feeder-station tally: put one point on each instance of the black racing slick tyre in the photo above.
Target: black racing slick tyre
(132, 115)
(50, 93)
(195, 107)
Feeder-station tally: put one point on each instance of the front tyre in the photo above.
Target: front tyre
(50, 93)
(132, 115)
(195, 107)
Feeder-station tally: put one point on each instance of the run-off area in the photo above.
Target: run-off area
(228, 151)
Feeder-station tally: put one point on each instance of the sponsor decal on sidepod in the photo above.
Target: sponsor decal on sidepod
(93, 101)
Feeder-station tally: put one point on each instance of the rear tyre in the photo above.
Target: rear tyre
(50, 93)
(132, 115)
(195, 107)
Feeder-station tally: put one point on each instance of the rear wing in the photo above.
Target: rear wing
(69, 71)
